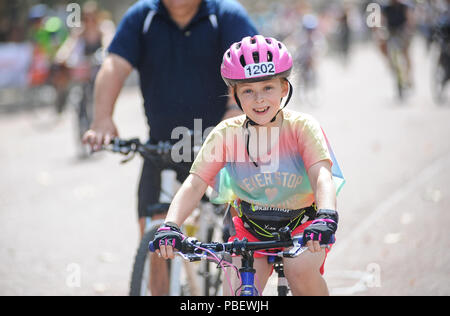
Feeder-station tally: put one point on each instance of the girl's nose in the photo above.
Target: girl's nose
(259, 97)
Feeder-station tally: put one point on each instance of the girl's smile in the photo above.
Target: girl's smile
(261, 110)
(261, 100)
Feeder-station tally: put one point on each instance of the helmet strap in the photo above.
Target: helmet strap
(285, 103)
(249, 121)
(238, 102)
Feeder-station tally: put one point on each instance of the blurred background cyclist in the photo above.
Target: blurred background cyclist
(398, 24)
(47, 33)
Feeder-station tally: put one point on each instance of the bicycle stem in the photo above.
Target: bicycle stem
(247, 273)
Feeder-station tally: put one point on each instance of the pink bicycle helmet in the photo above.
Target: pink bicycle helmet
(255, 58)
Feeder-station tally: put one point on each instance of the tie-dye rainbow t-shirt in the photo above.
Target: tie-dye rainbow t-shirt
(279, 178)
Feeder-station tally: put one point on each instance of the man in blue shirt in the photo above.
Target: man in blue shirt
(177, 47)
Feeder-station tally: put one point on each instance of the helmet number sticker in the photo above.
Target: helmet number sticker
(259, 69)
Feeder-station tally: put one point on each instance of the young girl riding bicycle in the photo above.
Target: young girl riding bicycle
(274, 165)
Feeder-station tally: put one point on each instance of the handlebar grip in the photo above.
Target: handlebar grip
(151, 246)
(333, 239)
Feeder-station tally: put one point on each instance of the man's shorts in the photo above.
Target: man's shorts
(150, 181)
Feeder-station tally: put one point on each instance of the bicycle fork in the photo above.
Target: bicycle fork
(247, 273)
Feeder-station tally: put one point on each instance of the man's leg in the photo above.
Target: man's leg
(148, 193)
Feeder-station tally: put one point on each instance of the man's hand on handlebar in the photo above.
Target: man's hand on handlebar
(101, 132)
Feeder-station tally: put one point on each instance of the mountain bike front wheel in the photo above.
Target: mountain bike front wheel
(181, 279)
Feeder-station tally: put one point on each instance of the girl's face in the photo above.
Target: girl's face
(261, 100)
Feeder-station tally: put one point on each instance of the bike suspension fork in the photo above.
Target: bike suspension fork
(247, 276)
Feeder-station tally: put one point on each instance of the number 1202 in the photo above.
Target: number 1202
(260, 69)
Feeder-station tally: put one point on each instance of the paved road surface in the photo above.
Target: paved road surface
(69, 227)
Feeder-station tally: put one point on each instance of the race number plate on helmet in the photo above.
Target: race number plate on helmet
(259, 69)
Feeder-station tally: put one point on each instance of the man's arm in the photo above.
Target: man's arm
(110, 79)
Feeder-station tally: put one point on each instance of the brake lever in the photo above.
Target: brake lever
(190, 257)
(294, 252)
(130, 156)
(297, 250)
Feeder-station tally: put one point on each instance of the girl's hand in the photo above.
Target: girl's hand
(314, 246)
(167, 238)
(322, 230)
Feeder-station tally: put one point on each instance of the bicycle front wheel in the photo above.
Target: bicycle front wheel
(140, 276)
(146, 275)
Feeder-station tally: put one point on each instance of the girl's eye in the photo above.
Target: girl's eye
(247, 91)
(268, 88)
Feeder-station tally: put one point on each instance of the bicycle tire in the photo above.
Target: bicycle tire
(84, 113)
(211, 279)
(138, 281)
(140, 262)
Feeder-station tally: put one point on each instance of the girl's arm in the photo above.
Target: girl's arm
(183, 204)
(186, 199)
(321, 180)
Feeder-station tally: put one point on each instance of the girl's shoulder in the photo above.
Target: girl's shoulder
(298, 119)
(233, 122)
(228, 125)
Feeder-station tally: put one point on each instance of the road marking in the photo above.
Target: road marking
(361, 277)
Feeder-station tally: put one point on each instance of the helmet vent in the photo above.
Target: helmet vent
(242, 60)
(256, 57)
(269, 56)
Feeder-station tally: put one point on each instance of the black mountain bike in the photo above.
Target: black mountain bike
(184, 279)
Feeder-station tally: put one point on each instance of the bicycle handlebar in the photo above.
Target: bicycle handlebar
(134, 145)
(193, 250)
(129, 147)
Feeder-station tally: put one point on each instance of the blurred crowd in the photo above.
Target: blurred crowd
(44, 50)
(39, 48)
(314, 29)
